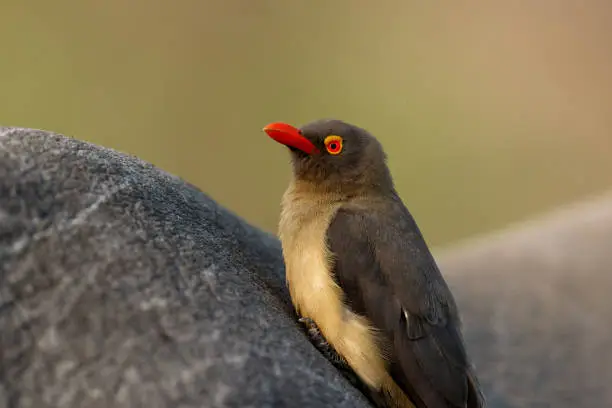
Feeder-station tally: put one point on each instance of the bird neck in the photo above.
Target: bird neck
(340, 192)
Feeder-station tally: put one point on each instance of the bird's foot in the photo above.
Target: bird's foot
(316, 337)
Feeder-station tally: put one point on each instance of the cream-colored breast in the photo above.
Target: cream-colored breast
(305, 218)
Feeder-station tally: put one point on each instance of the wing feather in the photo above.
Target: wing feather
(388, 274)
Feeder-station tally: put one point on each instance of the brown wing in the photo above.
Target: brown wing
(388, 274)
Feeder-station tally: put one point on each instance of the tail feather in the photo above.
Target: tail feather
(475, 397)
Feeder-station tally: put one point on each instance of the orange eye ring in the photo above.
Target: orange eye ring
(333, 144)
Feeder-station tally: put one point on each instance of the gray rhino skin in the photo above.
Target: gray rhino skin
(123, 286)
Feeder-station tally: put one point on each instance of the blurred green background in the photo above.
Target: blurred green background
(490, 112)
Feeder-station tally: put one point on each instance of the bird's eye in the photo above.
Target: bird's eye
(333, 144)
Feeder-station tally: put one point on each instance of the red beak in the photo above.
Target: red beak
(290, 136)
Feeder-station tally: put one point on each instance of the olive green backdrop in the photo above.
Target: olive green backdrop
(490, 112)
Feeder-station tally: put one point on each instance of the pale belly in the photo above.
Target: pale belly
(315, 294)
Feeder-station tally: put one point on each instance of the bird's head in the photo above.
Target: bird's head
(334, 155)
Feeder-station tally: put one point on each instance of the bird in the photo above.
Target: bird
(360, 274)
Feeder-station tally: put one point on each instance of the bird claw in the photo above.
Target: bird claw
(313, 330)
(316, 337)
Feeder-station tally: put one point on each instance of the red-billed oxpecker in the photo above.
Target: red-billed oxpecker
(360, 273)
